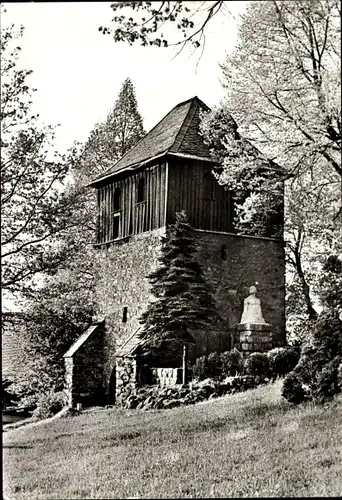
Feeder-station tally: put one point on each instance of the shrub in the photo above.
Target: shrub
(200, 368)
(293, 389)
(9, 398)
(214, 365)
(257, 364)
(49, 404)
(327, 382)
(232, 363)
(207, 367)
(282, 360)
(320, 359)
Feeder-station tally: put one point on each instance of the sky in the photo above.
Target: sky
(78, 71)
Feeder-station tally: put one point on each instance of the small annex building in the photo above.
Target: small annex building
(169, 170)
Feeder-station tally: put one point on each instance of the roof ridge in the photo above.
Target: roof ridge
(189, 124)
(147, 133)
(181, 128)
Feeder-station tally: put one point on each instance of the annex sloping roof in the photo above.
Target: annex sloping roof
(81, 340)
(131, 343)
(177, 133)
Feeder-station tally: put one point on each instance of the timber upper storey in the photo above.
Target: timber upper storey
(176, 134)
(168, 170)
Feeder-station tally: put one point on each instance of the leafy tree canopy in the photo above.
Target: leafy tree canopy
(36, 209)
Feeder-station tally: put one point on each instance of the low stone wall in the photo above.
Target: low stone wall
(167, 377)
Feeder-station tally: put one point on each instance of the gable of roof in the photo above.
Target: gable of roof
(176, 133)
(82, 340)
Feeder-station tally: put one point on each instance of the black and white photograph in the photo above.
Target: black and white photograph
(171, 249)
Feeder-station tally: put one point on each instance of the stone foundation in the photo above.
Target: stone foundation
(254, 338)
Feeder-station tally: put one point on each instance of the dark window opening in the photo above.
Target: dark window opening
(141, 190)
(124, 315)
(117, 199)
(116, 226)
(223, 252)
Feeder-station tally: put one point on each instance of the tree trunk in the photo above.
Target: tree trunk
(306, 289)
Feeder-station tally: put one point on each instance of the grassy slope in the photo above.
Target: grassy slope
(248, 444)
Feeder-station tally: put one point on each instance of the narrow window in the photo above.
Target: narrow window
(117, 199)
(141, 190)
(223, 252)
(124, 315)
(116, 226)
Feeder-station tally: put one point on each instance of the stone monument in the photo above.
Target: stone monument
(254, 333)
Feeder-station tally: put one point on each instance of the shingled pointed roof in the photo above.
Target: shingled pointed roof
(177, 133)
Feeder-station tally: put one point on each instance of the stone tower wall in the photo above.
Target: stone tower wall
(231, 264)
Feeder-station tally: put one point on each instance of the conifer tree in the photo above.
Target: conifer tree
(116, 135)
(183, 303)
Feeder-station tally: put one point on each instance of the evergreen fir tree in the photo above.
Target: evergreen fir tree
(112, 138)
(183, 303)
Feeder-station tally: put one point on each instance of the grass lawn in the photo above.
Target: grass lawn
(245, 445)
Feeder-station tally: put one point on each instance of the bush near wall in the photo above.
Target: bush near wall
(49, 404)
(316, 376)
(226, 364)
(282, 360)
(148, 398)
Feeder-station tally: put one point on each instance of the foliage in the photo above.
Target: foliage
(49, 404)
(257, 364)
(36, 210)
(330, 283)
(282, 360)
(142, 22)
(9, 398)
(200, 390)
(293, 389)
(112, 138)
(321, 355)
(327, 385)
(256, 182)
(208, 366)
(232, 362)
(214, 365)
(200, 368)
(283, 89)
(58, 314)
(183, 303)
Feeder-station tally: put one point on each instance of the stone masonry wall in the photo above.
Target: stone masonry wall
(231, 264)
(122, 282)
(126, 378)
(87, 371)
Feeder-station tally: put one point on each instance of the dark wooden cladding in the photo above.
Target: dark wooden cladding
(193, 188)
(135, 217)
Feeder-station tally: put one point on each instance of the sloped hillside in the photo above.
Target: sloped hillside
(248, 444)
